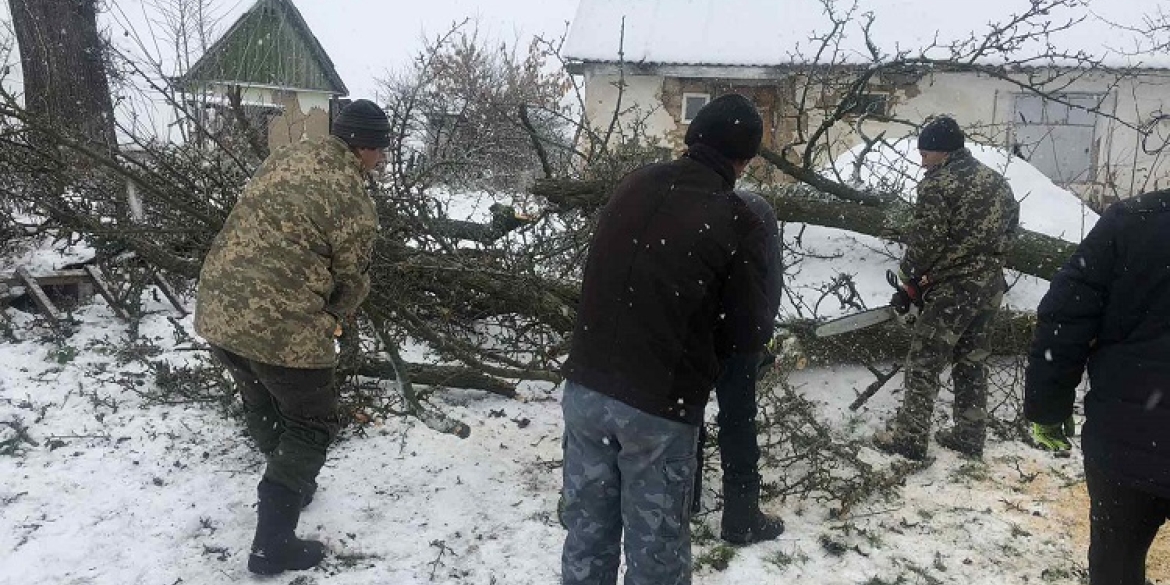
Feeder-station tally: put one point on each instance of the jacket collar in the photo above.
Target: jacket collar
(713, 159)
(956, 156)
(355, 162)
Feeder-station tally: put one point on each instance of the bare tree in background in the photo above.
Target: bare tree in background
(189, 28)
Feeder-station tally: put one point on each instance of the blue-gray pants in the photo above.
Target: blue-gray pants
(625, 469)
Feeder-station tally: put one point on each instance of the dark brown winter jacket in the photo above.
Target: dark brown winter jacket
(674, 282)
(1108, 312)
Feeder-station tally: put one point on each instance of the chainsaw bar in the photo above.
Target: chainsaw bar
(856, 321)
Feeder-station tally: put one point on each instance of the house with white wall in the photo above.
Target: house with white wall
(1102, 134)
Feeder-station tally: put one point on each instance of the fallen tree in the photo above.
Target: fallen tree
(883, 216)
(889, 341)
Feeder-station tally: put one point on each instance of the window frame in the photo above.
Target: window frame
(864, 104)
(1066, 120)
(688, 95)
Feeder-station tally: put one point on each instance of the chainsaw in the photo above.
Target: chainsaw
(872, 317)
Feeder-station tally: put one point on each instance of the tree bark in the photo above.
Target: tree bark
(428, 374)
(889, 341)
(1031, 252)
(63, 61)
(445, 376)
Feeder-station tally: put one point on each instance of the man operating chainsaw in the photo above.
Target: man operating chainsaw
(952, 272)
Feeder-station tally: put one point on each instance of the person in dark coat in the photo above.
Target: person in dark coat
(1108, 311)
(739, 449)
(673, 285)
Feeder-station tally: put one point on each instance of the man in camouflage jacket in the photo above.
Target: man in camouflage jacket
(288, 267)
(953, 269)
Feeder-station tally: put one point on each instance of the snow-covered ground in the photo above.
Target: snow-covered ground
(121, 490)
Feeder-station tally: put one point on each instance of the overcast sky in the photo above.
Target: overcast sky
(366, 38)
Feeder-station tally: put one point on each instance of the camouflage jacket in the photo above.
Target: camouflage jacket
(963, 220)
(291, 259)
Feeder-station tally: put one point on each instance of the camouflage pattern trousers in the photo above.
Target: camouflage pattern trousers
(625, 470)
(290, 413)
(953, 329)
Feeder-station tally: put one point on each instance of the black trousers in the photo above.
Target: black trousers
(1123, 524)
(739, 449)
(290, 413)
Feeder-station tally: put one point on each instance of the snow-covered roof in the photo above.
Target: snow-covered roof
(783, 32)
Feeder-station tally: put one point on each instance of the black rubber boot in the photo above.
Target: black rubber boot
(896, 443)
(276, 548)
(743, 522)
(307, 498)
(968, 444)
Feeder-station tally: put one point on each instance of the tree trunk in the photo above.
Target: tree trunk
(444, 376)
(64, 64)
(889, 341)
(1031, 253)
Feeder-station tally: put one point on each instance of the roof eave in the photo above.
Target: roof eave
(193, 75)
(768, 71)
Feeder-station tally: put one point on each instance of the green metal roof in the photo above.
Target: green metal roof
(269, 45)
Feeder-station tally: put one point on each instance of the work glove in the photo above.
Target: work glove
(1054, 437)
(901, 301)
(906, 293)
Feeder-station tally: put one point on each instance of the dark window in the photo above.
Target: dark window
(872, 104)
(692, 103)
(1057, 136)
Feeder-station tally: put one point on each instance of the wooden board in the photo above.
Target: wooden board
(38, 295)
(103, 288)
(169, 293)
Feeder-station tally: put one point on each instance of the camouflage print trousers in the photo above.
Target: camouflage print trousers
(625, 470)
(290, 413)
(953, 329)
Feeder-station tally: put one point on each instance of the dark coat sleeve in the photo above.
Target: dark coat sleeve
(746, 324)
(774, 279)
(1068, 321)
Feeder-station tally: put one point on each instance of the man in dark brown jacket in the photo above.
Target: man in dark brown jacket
(674, 283)
(288, 267)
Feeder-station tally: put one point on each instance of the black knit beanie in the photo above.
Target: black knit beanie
(729, 124)
(362, 124)
(941, 135)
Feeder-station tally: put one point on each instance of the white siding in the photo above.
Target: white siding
(642, 91)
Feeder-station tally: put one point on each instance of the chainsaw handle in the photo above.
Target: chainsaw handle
(924, 293)
(892, 278)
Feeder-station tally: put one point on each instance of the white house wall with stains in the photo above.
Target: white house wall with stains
(298, 114)
(1098, 156)
(641, 103)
